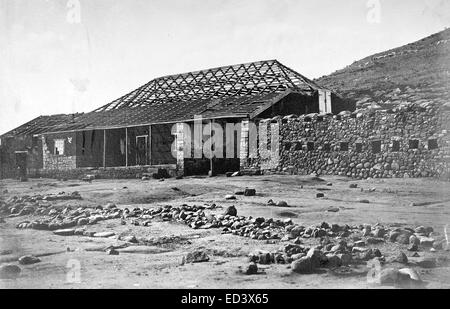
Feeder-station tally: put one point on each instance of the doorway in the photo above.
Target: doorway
(142, 150)
(21, 164)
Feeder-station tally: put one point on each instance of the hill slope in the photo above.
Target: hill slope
(414, 73)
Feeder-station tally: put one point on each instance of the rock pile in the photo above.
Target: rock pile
(16, 206)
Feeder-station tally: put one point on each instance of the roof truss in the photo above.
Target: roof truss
(231, 81)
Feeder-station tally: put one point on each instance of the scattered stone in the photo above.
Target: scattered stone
(252, 269)
(271, 203)
(403, 238)
(413, 247)
(9, 271)
(420, 230)
(302, 265)
(112, 251)
(196, 257)
(110, 206)
(64, 232)
(439, 245)
(320, 195)
(353, 186)
(104, 234)
(426, 241)
(282, 204)
(28, 260)
(333, 261)
(230, 197)
(230, 211)
(413, 275)
(130, 239)
(249, 192)
(364, 201)
(399, 258)
(374, 241)
(333, 209)
(360, 243)
(414, 240)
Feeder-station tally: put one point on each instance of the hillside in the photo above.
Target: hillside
(414, 73)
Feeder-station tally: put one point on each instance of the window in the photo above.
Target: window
(376, 146)
(432, 144)
(413, 144)
(287, 145)
(327, 147)
(396, 146)
(359, 147)
(59, 146)
(298, 146)
(310, 146)
(344, 146)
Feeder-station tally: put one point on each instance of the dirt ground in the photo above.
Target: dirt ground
(78, 262)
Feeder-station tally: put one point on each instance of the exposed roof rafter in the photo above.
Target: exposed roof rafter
(218, 83)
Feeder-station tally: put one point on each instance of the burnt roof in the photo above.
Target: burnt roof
(241, 80)
(41, 125)
(231, 91)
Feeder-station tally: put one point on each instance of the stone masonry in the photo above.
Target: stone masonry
(409, 141)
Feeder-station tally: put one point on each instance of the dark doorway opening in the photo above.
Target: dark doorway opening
(142, 150)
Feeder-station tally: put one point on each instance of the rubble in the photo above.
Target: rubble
(340, 245)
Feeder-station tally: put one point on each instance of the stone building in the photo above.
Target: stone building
(136, 133)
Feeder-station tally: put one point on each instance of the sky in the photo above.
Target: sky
(67, 56)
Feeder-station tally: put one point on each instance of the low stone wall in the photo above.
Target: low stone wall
(103, 173)
(411, 141)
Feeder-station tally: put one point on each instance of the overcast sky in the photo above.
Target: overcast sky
(65, 56)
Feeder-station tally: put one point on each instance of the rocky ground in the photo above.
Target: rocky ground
(200, 232)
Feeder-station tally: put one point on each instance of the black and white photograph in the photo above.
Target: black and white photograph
(224, 145)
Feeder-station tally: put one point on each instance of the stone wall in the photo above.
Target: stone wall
(130, 172)
(64, 161)
(410, 141)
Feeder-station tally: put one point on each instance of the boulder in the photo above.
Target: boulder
(399, 258)
(426, 241)
(64, 232)
(28, 260)
(252, 269)
(230, 211)
(197, 257)
(282, 204)
(249, 192)
(104, 234)
(411, 273)
(302, 265)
